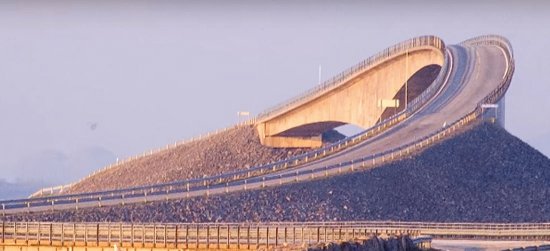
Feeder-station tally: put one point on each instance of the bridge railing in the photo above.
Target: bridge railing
(235, 181)
(247, 235)
(188, 236)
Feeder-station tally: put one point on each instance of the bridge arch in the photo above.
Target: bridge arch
(358, 99)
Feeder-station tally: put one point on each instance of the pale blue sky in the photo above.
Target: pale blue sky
(82, 83)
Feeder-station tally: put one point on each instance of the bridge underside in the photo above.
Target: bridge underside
(359, 101)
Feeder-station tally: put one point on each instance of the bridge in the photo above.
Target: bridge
(465, 83)
(176, 236)
(473, 74)
(363, 95)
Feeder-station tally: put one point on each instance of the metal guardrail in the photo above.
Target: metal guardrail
(188, 236)
(335, 81)
(249, 235)
(235, 181)
(312, 155)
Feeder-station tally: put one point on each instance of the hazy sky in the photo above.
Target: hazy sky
(85, 82)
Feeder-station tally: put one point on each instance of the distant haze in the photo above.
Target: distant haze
(83, 83)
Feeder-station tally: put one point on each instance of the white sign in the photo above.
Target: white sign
(385, 103)
(485, 106)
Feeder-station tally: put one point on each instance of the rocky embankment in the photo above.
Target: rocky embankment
(374, 243)
(481, 175)
(237, 148)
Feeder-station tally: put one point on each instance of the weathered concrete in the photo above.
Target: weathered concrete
(355, 101)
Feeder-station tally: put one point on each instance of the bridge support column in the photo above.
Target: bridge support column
(288, 142)
(292, 142)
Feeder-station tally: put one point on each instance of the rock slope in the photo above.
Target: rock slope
(230, 150)
(481, 175)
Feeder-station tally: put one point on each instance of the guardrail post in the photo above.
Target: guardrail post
(218, 236)
(186, 236)
(302, 234)
(239, 237)
(176, 237)
(14, 235)
(97, 234)
(267, 238)
(228, 235)
(285, 235)
(318, 234)
(197, 238)
(257, 237)
(308, 235)
(207, 236)
(142, 235)
(120, 234)
(85, 235)
(3, 231)
(74, 234)
(294, 235)
(276, 236)
(109, 235)
(165, 233)
(154, 235)
(325, 234)
(248, 237)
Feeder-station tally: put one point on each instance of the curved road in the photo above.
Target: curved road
(476, 71)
